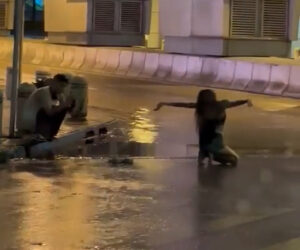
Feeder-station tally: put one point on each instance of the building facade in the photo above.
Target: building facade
(6, 16)
(230, 27)
(198, 27)
(101, 22)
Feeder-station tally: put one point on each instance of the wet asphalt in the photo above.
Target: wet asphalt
(163, 200)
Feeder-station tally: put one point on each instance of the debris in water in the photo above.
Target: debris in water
(118, 161)
(38, 244)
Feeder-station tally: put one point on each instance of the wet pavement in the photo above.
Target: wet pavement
(152, 204)
(271, 127)
(162, 200)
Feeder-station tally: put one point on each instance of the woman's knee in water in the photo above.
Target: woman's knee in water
(227, 159)
(233, 161)
(202, 156)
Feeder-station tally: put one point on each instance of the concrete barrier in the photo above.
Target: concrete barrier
(225, 76)
(179, 67)
(39, 54)
(90, 59)
(279, 80)
(260, 78)
(194, 68)
(293, 89)
(209, 71)
(68, 57)
(79, 57)
(53, 56)
(151, 65)
(6, 50)
(137, 64)
(125, 62)
(28, 52)
(242, 75)
(113, 61)
(215, 72)
(101, 59)
(2, 49)
(9, 52)
(165, 62)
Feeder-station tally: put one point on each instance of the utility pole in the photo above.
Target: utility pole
(17, 62)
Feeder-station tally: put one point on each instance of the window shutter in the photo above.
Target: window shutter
(244, 18)
(131, 16)
(275, 19)
(104, 15)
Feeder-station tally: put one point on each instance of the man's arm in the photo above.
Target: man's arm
(49, 108)
(175, 104)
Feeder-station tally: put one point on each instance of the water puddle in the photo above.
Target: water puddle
(134, 138)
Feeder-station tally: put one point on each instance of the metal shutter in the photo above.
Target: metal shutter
(3, 15)
(275, 19)
(131, 16)
(244, 15)
(104, 15)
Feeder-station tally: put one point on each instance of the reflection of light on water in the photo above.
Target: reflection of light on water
(275, 107)
(82, 204)
(53, 207)
(142, 129)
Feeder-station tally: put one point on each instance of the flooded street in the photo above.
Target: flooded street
(161, 200)
(153, 204)
(75, 204)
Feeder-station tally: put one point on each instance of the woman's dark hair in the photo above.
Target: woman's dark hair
(205, 97)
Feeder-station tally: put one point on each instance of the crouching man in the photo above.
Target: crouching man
(46, 108)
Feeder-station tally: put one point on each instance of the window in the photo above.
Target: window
(259, 19)
(131, 16)
(104, 15)
(118, 16)
(34, 10)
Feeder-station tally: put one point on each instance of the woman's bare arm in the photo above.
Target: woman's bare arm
(175, 104)
(238, 103)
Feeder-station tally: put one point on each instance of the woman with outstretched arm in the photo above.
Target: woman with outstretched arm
(210, 117)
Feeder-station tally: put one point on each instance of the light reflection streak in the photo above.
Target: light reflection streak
(142, 129)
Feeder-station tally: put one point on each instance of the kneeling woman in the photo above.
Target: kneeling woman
(210, 117)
